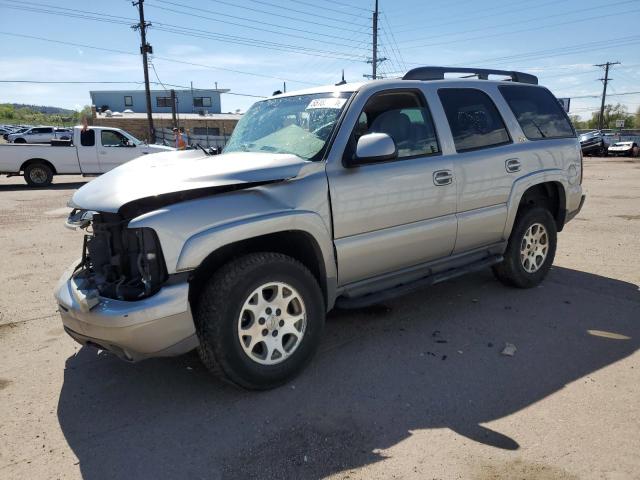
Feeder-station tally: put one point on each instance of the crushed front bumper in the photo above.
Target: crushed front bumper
(157, 326)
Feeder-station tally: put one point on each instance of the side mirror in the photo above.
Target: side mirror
(373, 148)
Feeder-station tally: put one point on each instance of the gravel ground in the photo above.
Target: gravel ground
(413, 389)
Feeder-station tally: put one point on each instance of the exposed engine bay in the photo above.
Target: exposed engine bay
(119, 262)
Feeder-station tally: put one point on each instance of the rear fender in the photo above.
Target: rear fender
(522, 184)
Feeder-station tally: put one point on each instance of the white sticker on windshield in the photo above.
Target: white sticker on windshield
(330, 102)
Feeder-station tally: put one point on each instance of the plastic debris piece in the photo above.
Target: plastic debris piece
(509, 349)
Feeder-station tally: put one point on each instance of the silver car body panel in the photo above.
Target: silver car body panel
(172, 172)
(374, 225)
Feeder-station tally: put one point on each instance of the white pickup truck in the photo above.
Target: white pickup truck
(95, 151)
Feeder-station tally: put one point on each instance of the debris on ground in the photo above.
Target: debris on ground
(509, 349)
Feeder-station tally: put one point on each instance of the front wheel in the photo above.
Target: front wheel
(530, 251)
(19, 140)
(259, 320)
(38, 174)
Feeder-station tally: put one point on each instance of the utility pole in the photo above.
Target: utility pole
(605, 81)
(374, 54)
(145, 49)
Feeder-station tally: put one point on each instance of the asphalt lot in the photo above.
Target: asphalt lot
(385, 397)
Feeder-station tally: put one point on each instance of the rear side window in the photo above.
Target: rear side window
(538, 112)
(474, 119)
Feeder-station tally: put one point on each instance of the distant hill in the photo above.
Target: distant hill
(43, 109)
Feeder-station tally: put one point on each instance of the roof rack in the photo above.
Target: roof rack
(437, 73)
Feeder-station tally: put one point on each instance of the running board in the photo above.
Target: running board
(403, 289)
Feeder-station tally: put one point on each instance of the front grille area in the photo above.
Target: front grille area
(121, 263)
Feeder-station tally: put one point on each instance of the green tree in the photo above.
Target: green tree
(577, 123)
(611, 114)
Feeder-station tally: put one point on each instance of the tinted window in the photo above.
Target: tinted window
(163, 101)
(474, 119)
(404, 117)
(111, 138)
(202, 102)
(538, 112)
(87, 138)
(206, 131)
(128, 101)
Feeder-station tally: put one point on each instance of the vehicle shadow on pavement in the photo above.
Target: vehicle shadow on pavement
(14, 187)
(426, 361)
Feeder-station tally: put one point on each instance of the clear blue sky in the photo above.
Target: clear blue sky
(252, 46)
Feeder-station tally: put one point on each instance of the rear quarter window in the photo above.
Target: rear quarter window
(473, 118)
(538, 112)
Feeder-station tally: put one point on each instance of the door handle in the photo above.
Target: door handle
(512, 165)
(103, 152)
(442, 177)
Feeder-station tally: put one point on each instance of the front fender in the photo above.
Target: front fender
(198, 247)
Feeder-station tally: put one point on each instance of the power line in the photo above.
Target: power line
(535, 28)
(327, 9)
(259, 22)
(111, 50)
(335, 2)
(315, 15)
(280, 15)
(179, 30)
(564, 50)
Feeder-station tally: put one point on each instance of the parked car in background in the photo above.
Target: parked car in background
(40, 135)
(63, 133)
(623, 149)
(96, 152)
(12, 129)
(346, 195)
(594, 143)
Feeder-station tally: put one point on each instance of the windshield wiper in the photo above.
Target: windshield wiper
(203, 149)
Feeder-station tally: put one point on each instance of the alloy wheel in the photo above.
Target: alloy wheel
(272, 323)
(534, 248)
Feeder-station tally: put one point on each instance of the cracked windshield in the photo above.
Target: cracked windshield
(300, 125)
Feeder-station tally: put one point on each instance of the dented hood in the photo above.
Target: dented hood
(165, 178)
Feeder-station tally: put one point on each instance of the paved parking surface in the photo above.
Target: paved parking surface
(413, 389)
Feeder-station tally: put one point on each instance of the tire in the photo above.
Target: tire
(19, 140)
(530, 270)
(38, 174)
(231, 323)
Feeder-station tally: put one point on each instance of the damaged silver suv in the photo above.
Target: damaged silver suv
(342, 196)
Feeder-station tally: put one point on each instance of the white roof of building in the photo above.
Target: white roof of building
(181, 116)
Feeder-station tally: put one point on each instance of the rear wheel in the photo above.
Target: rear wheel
(259, 320)
(603, 151)
(38, 174)
(530, 251)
